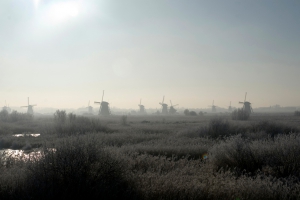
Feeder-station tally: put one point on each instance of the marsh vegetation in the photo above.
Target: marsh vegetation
(151, 157)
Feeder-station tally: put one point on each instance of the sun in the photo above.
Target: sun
(36, 3)
(62, 11)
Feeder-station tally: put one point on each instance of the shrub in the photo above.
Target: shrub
(219, 128)
(240, 114)
(4, 115)
(186, 112)
(80, 125)
(77, 168)
(70, 124)
(277, 156)
(124, 120)
(234, 153)
(60, 116)
(72, 118)
(272, 128)
(14, 116)
(193, 113)
(201, 113)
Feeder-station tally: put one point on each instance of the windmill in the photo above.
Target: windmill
(229, 107)
(164, 110)
(142, 107)
(172, 110)
(90, 109)
(104, 109)
(29, 108)
(246, 105)
(6, 107)
(213, 107)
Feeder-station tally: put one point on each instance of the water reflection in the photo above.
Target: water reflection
(25, 155)
(27, 134)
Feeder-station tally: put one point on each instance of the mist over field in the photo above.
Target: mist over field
(149, 100)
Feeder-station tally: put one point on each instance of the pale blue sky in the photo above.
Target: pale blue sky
(64, 53)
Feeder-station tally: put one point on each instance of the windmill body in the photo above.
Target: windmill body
(29, 108)
(142, 108)
(104, 107)
(213, 107)
(164, 110)
(247, 105)
(90, 109)
(164, 106)
(172, 109)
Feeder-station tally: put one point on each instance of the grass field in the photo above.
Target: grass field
(152, 157)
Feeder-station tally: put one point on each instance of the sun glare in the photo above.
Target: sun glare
(62, 11)
(36, 3)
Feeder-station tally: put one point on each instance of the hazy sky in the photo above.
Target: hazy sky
(64, 53)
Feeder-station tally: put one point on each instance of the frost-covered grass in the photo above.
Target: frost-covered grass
(154, 157)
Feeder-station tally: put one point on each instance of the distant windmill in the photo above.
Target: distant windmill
(142, 107)
(246, 105)
(6, 107)
(104, 109)
(230, 108)
(172, 110)
(90, 109)
(164, 110)
(29, 108)
(213, 107)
